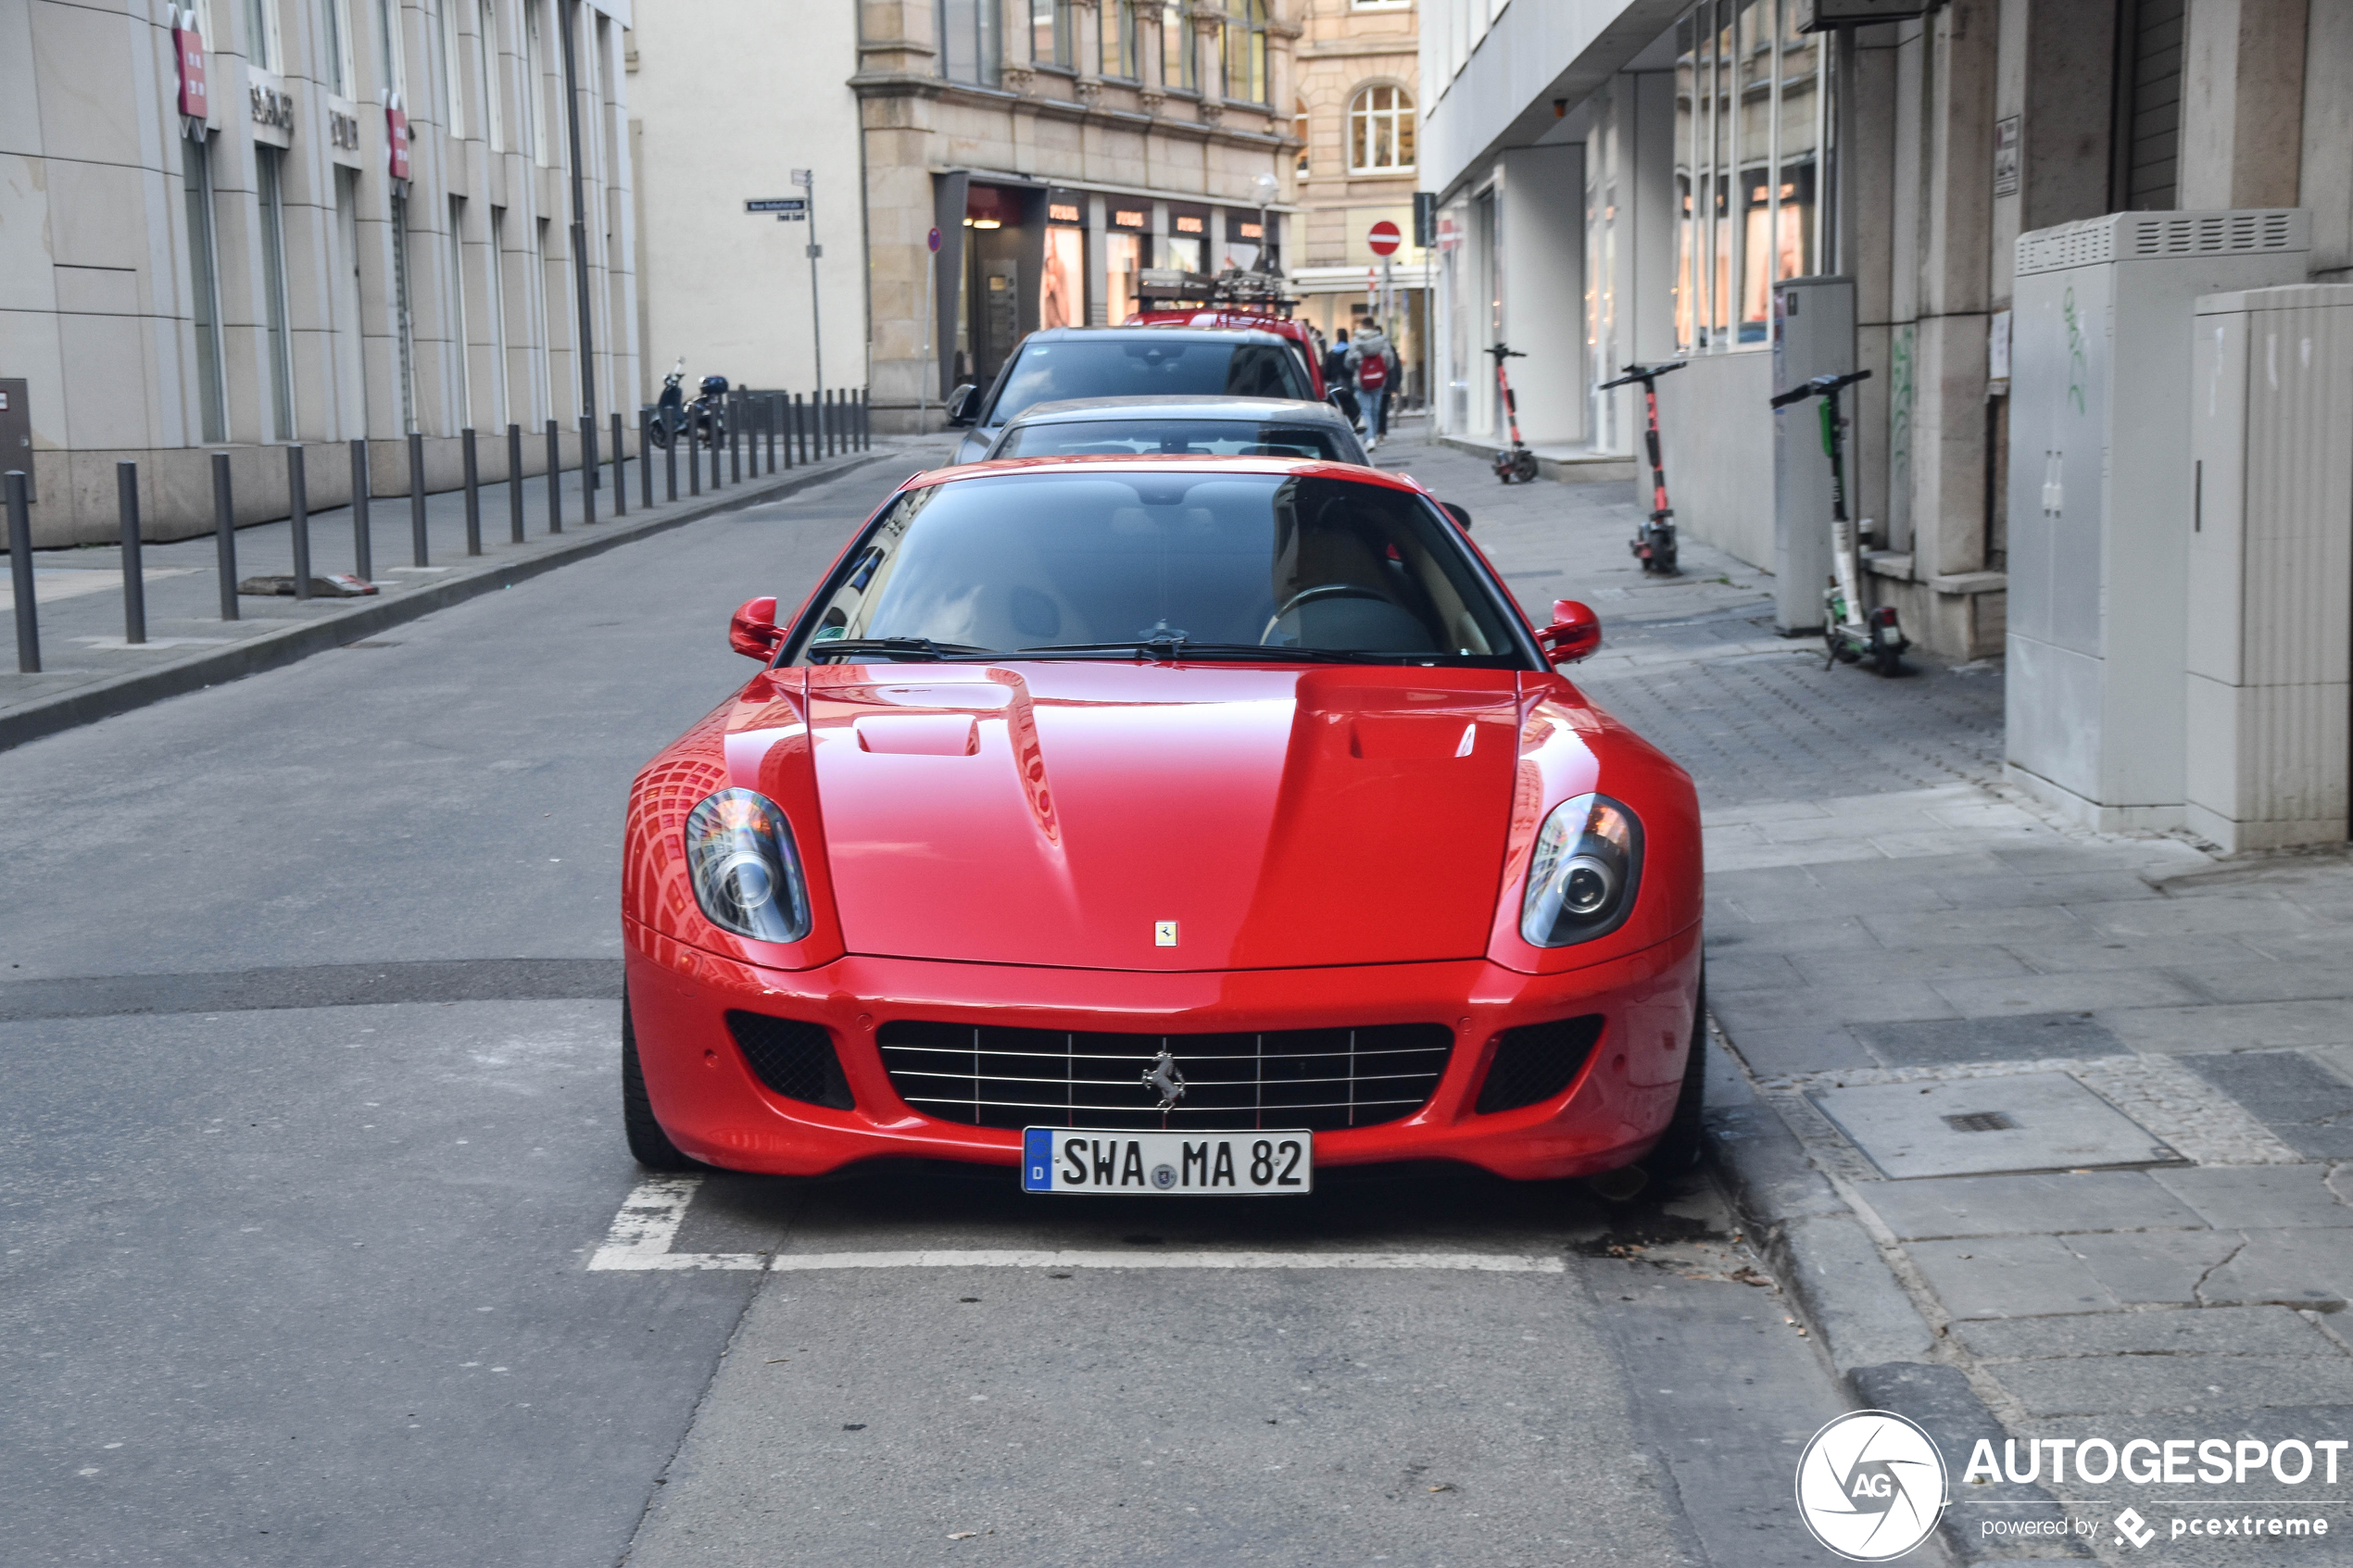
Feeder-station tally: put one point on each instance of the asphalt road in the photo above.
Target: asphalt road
(310, 1136)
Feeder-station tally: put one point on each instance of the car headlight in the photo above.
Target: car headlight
(1581, 882)
(745, 869)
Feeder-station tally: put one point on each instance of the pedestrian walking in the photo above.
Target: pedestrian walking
(1372, 365)
(1339, 382)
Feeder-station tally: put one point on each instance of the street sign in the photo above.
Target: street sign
(801, 177)
(795, 206)
(1384, 238)
(934, 242)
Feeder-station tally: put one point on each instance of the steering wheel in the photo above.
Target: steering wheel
(1309, 595)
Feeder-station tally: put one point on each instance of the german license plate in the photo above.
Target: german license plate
(1082, 1159)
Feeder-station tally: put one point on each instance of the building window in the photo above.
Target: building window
(2149, 107)
(535, 85)
(261, 34)
(196, 168)
(337, 18)
(1751, 157)
(968, 41)
(1176, 49)
(458, 336)
(1049, 33)
(391, 43)
(486, 64)
(1246, 52)
(269, 167)
(1119, 40)
(1380, 131)
(1299, 125)
(451, 84)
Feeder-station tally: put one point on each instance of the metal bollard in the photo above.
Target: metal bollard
(224, 535)
(825, 412)
(793, 433)
(715, 445)
(473, 492)
(417, 540)
(363, 556)
(783, 428)
(866, 419)
(644, 456)
(619, 477)
(298, 520)
(514, 484)
(694, 458)
(587, 471)
(735, 445)
(134, 577)
(21, 575)
(555, 480)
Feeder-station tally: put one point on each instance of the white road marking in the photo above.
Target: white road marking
(651, 1215)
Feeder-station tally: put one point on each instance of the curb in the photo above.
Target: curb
(1881, 1347)
(296, 642)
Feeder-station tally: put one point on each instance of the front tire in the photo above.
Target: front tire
(649, 1144)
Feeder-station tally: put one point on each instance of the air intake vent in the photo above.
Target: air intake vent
(2146, 236)
(1536, 1061)
(793, 1059)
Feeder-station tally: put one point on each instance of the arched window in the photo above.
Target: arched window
(1299, 129)
(1380, 131)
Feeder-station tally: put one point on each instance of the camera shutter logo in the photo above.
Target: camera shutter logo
(1870, 1485)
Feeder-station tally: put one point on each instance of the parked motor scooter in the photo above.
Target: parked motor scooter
(1852, 632)
(670, 409)
(1516, 461)
(1655, 540)
(703, 422)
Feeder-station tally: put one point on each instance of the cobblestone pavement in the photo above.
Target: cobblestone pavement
(2122, 1067)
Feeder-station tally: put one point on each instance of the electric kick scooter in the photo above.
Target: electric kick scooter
(1514, 461)
(1850, 632)
(1655, 540)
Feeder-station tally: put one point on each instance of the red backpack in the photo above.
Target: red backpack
(1372, 372)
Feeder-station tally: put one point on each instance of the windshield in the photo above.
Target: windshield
(1221, 438)
(1132, 368)
(1017, 563)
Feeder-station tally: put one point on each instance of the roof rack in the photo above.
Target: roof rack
(1164, 288)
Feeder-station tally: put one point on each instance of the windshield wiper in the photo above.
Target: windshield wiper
(896, 648)
(1167, 649)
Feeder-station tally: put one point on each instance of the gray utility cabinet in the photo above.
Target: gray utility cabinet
(1813, 335)
(2270, 566)
(2100, 495)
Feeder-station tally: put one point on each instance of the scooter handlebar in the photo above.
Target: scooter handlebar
(1643, 373)
(1820, 386)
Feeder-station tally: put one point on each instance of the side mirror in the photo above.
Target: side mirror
(1576, 632)
(753, 632)
(1462, 517)
(960, 405)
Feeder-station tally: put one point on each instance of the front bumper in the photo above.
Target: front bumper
(715, 1110)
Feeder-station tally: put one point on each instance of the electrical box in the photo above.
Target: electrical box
(2269, 615)
(2100, 495)
(1813, 335)
(15, 432)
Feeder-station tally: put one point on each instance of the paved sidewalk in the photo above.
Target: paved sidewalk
(2162, 1244)
(88, 671)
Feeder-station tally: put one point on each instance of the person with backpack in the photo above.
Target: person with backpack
(1370, 366)
(1339, 382)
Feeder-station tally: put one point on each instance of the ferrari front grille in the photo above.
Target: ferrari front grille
(990, 1076)
(794, 1059)
(1536, 1061)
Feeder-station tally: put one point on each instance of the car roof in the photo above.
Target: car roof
(1187, 406)
(1151, 334)
(1300, 468)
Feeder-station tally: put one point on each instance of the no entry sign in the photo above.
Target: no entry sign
(1384, 238)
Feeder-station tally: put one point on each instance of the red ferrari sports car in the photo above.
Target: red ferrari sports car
(1161, 825)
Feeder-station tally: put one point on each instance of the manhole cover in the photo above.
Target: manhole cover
(1990, 1127)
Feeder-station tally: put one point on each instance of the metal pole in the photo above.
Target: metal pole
(784, 426)
(670, 464)
(1841, 148)
(587, 470)
(817, 311)
(473, 492)
(20, 575)
(694, 460)
(799, 432)
(298, 515)
(579, 256)
(224, 535)
(134, 577)
(555, 480)
(620, 475)
(417, 542)
(715, 445)
(826, 424)
(735, 445)
(363, 563)
(931, 308)
(646, 458)
(514, 483)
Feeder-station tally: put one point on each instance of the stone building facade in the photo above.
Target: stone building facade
(208, 243)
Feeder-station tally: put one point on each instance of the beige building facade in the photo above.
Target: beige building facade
(1058, 148)
(1356, 112)
(182, 274)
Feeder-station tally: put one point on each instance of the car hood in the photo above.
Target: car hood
(1136, 816)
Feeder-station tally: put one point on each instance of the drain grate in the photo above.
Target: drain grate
(2001, 1125)
(1982, 1121)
